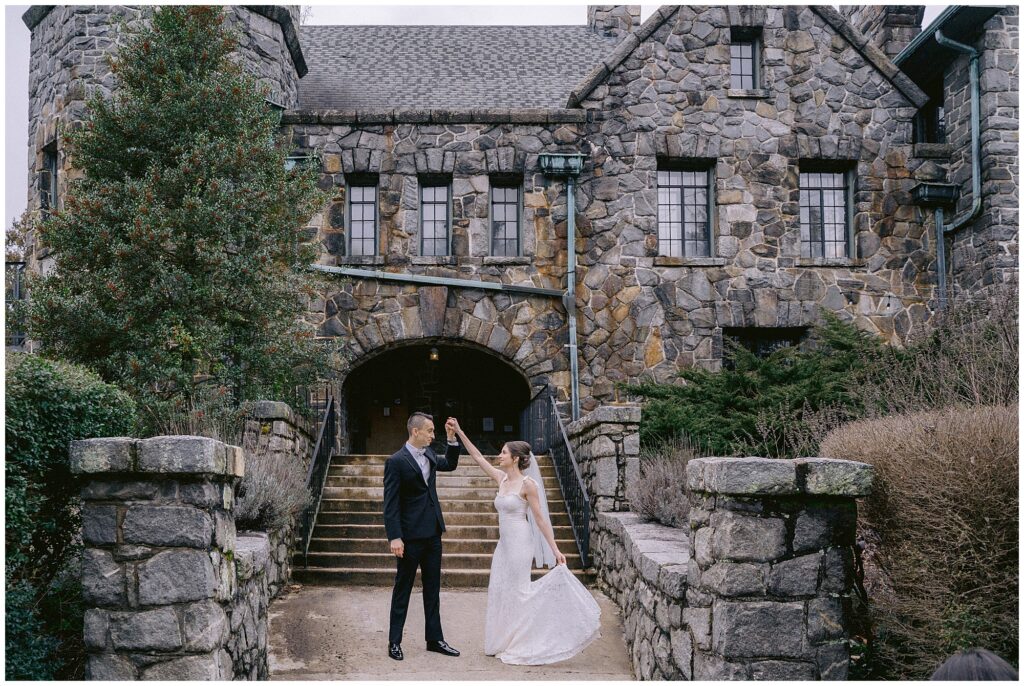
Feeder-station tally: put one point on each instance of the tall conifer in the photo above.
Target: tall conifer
(177, 254)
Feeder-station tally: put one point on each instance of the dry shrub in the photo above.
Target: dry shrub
(660, 494)
(942, 532)
(969, 354)
(272, 493)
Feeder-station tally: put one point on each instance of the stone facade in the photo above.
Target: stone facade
(171, 591)
(985, 253)
(760, 585)
(828, 98)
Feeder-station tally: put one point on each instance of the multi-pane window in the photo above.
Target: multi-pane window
(434, 216)
(362, 212)
(684, 211)
(823, 214)
(505, 220)
(745, 51)
(48, 180)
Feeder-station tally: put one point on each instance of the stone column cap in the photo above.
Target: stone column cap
(627, 413)
(157, 455)
(759, 476)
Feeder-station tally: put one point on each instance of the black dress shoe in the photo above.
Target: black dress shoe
(395, 651)
(442, 647)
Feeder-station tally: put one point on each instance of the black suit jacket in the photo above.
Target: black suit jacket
(411, 509)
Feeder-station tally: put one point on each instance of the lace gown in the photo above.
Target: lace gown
(533, 622)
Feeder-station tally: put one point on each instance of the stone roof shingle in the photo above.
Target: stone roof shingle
(446, 67)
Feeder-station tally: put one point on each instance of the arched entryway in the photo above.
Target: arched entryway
(487, 394)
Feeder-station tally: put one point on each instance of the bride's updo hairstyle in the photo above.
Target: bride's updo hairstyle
(521, 451)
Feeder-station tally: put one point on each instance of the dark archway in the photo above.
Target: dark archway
(486, 393)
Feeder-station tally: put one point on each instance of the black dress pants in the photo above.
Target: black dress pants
(424, 553)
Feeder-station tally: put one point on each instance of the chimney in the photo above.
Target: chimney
(613, 21)
(889, 27)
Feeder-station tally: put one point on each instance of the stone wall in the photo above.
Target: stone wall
(606, 443)
(171, 591)
(758, 588)
(985, 252)
(274, 428)
(263, 564)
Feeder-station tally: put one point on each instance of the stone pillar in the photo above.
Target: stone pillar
(771, 573)
(607, 446)
(158, 570)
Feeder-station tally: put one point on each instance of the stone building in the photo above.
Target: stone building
(741, 169)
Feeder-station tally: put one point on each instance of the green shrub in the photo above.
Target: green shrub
(750, 407)
(941, 568)
(49, 404)
(660, 494)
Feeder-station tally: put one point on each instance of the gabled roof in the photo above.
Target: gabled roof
(446, 67)
(871, 53)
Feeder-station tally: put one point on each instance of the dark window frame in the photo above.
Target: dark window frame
(847, 172)
(435, 183)
(684, 167)
(506, 183)
(48, 180)
(350, 186)
(739, 37)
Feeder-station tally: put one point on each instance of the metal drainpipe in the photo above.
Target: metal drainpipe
(961, 221)
(570, 295)
(940, 255)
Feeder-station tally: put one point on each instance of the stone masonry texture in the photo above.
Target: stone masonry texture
(757, 589)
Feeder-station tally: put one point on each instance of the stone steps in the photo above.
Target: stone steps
(475, 515)
(385, 576)
(384, 559)
(349, 543)
(485, 483)
(452, 545)
(476, 530)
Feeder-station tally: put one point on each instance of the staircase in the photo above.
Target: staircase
(349, 545)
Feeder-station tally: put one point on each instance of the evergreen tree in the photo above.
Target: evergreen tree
(177, 254)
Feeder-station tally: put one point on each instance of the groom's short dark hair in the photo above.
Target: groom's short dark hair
(418, 420)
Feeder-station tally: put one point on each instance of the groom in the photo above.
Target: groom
(413, 521)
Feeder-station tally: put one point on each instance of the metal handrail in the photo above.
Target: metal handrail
(574, 491)
(316, 476)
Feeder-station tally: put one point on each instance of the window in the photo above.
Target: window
(824, 214)
(434, 219)
(48, 181)
(684, 212)
(505, 210)
(745, 53)
(362, 213)
(930, 121)
(761, 341)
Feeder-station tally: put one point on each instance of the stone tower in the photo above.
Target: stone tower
(68, 63)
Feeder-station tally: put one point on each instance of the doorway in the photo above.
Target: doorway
(485, 393)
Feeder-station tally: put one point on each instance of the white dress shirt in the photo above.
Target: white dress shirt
(420, 455)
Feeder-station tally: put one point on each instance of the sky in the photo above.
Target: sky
(16, 54)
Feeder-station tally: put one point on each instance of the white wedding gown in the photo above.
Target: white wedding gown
(533, 622)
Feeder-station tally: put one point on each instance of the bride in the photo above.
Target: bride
(530, 622)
